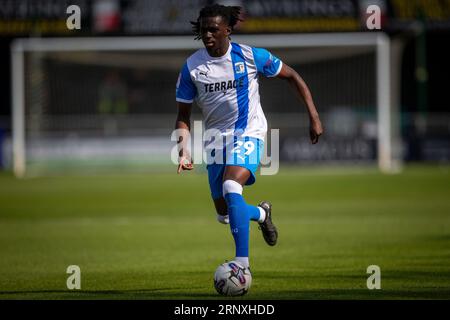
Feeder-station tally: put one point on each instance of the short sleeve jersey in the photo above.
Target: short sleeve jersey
(226, 88)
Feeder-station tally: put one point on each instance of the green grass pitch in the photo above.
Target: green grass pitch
(155, 236)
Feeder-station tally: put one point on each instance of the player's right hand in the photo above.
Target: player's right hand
(184, 164)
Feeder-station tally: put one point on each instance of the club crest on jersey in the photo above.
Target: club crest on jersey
(239, 67)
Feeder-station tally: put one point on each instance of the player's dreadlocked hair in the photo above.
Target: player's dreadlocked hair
(229, 13)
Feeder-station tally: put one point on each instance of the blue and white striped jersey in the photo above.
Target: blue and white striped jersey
(226, 88)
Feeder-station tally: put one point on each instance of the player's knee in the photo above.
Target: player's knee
(231, 186)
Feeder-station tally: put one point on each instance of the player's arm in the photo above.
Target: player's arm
(183, 122)
(303, 93)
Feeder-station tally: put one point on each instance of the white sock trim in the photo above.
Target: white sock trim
(231, 186)
(262, 215)
(243, 260)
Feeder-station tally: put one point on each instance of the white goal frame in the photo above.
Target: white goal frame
(379, 41)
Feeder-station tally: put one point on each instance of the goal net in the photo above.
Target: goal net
(90, 104)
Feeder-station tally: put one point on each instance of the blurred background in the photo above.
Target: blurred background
(109, 103)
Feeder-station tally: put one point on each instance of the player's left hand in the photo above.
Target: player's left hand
(315, 130)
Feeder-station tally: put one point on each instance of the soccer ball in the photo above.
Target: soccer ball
(232, 279)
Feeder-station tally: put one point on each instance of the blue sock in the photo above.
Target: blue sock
(253, 212)
(239, 222)
(240, 215)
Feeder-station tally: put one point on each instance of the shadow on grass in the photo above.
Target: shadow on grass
(423, 276)
(396, 284)
(155, 294)
(364, 294)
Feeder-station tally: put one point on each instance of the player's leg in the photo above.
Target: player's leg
(215, 174)
(240, 213)
(247, 152)
(222, 210)
(241, 175)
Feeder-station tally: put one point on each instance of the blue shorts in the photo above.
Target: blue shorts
(244, 152)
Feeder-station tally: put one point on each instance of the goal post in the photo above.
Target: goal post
(378, 43)
(18, 105)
